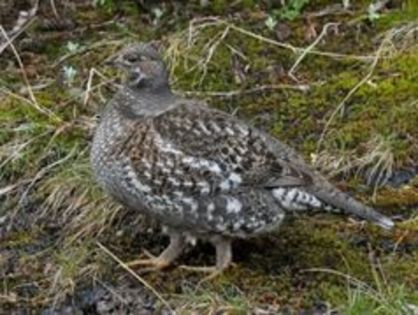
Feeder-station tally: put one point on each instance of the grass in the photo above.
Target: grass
(380, 297)
(54, 215)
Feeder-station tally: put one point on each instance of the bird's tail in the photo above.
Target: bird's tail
(330, 195)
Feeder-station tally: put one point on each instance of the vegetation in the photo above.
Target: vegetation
(343, 94)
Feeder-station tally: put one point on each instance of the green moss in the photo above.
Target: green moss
(398, 198)
(407, 12)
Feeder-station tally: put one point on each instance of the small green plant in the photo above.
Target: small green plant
(72, 47)
(373, 11)
(69, 74)
(270, 22)
(158, 13)
(292, 9)
(99, 3)
(108, 5)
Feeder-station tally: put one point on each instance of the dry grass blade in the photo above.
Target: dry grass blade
(376, 165)
(365, 79)
(33, 102)
(13, 151)
(388, 45)
(45, 170)
(24, 20)
(196, 25)
(41, 173)
(257, 89)
(54, 9)
(211, 50)
(310, 48)
(86, 49)
(5, 190)
(189, 51)
(388, 299)
(9, 298)
(354, 281)
(89, 87)
(135, 275)
(7, 92)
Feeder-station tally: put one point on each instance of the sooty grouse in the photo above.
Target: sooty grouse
(201, 172)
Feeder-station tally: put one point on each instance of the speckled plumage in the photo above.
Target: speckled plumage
(197, 170)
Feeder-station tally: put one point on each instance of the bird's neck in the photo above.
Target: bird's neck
(144, 102)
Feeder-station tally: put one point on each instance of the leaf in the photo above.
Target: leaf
(270, 22)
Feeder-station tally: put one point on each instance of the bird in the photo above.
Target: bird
(202, 173)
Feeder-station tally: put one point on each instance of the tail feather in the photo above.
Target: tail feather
(330, 195)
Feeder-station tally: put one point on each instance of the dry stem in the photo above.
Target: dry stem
(134, 274)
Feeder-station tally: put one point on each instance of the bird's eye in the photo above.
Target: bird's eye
(131, 58)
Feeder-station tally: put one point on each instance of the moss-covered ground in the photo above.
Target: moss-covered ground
(347, 99)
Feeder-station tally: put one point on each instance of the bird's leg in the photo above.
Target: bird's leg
(223, 259)
(173, 251)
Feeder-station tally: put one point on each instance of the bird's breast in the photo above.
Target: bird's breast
(106, 145)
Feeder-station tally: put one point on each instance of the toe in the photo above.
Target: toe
(205, 269)
(155, 263)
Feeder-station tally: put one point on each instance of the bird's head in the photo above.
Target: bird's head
(143, 66)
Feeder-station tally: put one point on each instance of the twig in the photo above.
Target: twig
(134, 274)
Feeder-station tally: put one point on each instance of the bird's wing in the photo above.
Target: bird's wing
(227, 152)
